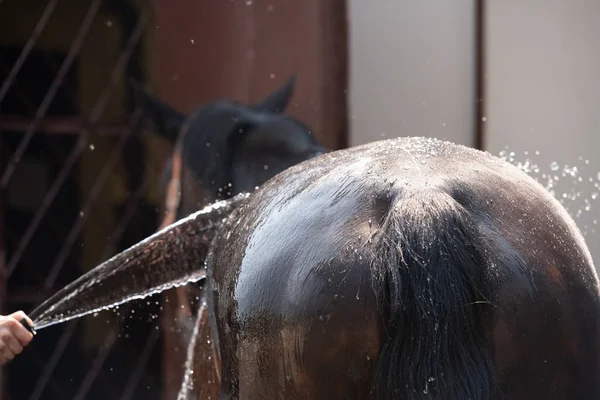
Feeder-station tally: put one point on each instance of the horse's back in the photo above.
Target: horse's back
(297, 312)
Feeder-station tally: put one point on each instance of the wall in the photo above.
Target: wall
(243, 50)
(97, 55)
(412, 70)
(543, 94)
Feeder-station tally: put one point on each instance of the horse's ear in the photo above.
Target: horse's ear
(164, 120)
(278, 101)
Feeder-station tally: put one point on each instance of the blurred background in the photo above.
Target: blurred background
(79, 176)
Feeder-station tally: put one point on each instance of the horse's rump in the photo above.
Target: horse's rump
(473, 282)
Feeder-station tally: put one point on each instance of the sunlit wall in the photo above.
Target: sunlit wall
(412, 66)
(543, 94)
(411, 69)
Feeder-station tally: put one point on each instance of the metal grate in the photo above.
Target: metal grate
(75, 182)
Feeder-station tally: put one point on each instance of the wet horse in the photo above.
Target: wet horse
(220, 150)
(408, 268)
(227, 147)
(404, 269)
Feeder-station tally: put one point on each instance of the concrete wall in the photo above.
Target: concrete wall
(543, 94)
(411, 69)
(412, 73)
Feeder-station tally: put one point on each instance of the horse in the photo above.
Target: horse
(221, 149)
(404, 269)
(408, 268)
(228, 147)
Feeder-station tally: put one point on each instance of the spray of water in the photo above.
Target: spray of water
(574, 187)
(166, 259)
(202, 361)
(187, 386)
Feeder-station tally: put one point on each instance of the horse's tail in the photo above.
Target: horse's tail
(430, 286)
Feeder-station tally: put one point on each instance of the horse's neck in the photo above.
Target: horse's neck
(192, 196)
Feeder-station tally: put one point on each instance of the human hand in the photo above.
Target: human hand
(13, 336)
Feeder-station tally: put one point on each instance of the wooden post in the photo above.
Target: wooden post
(3, 286)
(243, 50)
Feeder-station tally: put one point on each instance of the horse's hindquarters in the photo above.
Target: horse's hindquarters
(308, 301)
(295, 313)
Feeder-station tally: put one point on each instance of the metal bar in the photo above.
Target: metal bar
(54, 358)
(127, 214)
(83, 30)
(36, 274)
(3, 286)
(138, 194)
(108, 166)
(96, 113)
(77, 124)
(28, 47)
(81, 127)
(118, 232)
(30, 295)
(111, 338)
(67, 88)
(52, 385)
(121, 64)
(98, 185)
(136, 376)
(64, 338)
(46, 202)
(60, 125)
(480, 74)
(26, 122)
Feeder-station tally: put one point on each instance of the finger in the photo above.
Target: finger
(20, 314)
(13, 344)
(19, 331)
(6, 353)
(3, 360)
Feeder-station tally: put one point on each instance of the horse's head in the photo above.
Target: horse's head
(231, 148)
